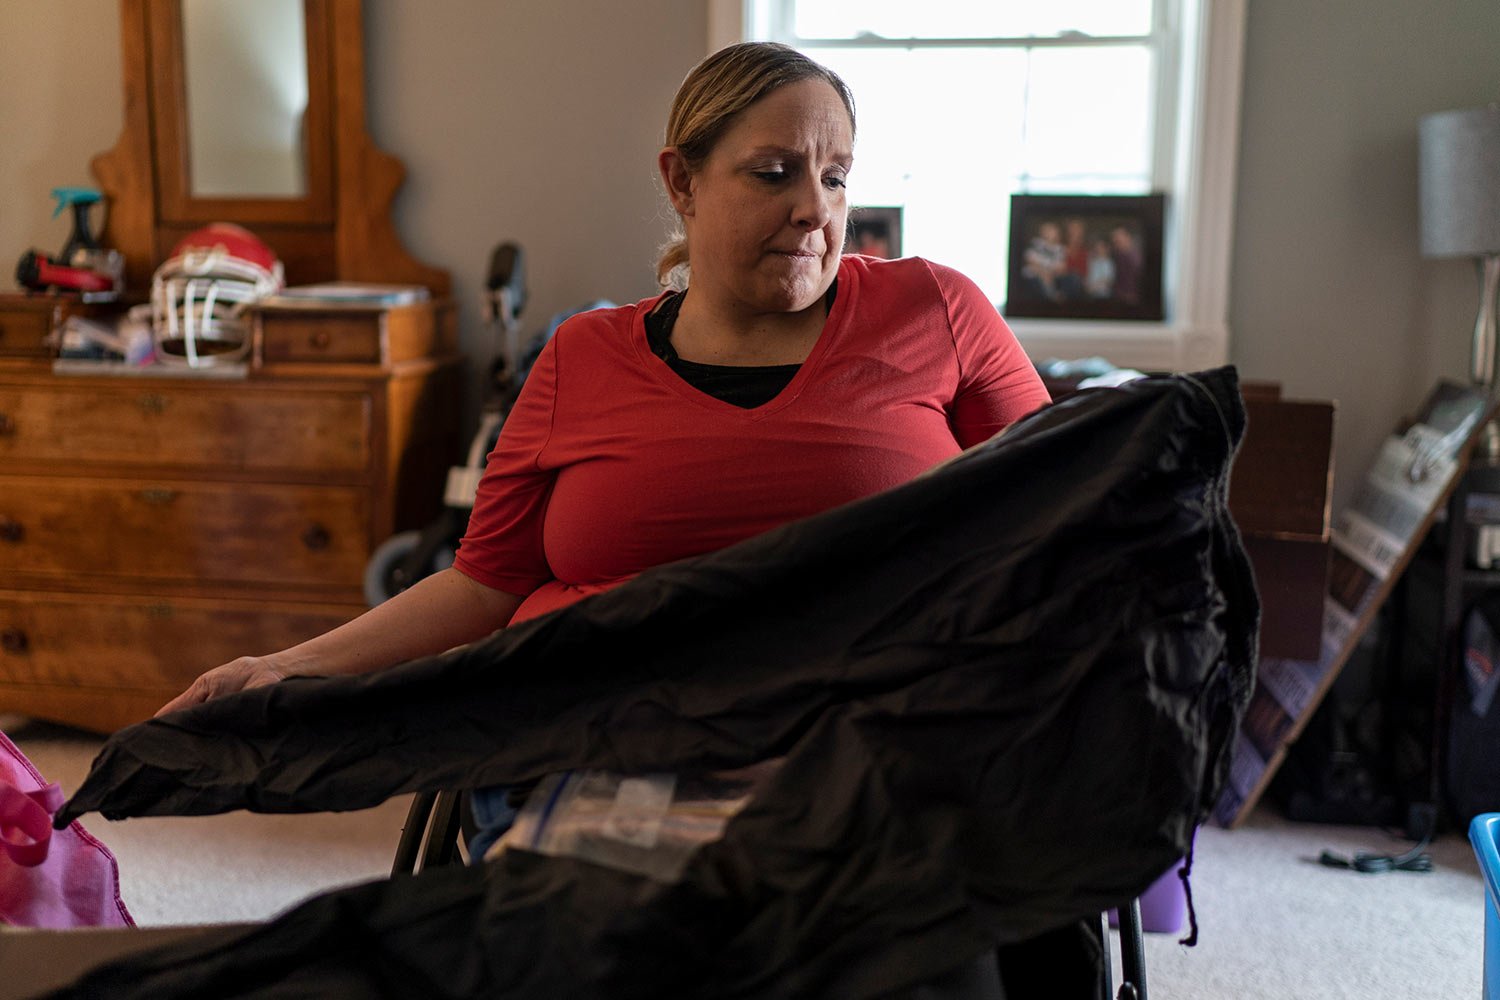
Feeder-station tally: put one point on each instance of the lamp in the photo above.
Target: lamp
(1459, 186)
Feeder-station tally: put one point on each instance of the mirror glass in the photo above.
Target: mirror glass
(245, 73)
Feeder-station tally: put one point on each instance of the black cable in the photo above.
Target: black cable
(1415, 860)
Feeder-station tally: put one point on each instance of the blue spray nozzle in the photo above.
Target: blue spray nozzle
(74, 196)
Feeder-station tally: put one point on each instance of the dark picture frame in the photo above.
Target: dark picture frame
(1086, 256)
(875, 231)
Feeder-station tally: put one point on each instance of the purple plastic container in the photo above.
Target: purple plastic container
(1163, 904)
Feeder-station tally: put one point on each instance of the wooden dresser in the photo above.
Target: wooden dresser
(153, 526)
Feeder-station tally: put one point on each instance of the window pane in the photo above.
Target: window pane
(1088, 116)
(949, 134)
(940, 134)
(970, 19)
(1098, 18)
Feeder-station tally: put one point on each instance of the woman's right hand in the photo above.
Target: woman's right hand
(237, 675)
(441, 611)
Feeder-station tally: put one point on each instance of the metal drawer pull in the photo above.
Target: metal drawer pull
(11, 530)
(13, 640)
(316, 538)
(158, 495)
(7, 424)
(152, 402)
(320, 339)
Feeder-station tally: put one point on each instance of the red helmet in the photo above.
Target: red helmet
(200, 293)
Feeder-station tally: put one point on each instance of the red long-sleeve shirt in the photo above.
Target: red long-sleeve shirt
(610, 463)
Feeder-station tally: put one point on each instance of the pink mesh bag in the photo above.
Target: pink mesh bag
(49, 878)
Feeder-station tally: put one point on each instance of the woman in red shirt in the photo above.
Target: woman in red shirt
(775, 378)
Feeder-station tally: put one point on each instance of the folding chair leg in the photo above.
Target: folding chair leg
(1107, 961)
(412, 833)
(1132, 954)
(430, 836)
(442, 832)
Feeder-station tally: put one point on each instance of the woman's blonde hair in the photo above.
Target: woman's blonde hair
(716, 91)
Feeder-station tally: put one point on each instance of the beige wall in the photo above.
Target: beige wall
(508, 133)
(59, 106)
(1329, 293)
(537, 120)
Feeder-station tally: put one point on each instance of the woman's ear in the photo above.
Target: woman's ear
(677, 179)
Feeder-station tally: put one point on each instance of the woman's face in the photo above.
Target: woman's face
(764, 216)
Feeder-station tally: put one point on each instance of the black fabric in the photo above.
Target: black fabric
(978, 979)
(1067, 961)
(1005, 694)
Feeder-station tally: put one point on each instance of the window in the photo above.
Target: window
(962, 103)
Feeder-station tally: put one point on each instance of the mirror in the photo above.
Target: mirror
(245, 77)
(271, 136)
(216, 133)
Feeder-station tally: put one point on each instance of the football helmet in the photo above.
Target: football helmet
(200, 294)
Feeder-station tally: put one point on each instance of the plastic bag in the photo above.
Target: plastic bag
(645, 824)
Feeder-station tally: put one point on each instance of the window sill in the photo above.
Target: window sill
(1128, 344)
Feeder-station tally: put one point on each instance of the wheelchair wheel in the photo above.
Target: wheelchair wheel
(398, 563)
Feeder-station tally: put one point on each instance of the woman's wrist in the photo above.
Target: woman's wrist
(288, 663)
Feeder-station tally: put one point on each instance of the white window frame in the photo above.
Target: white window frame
(1202, 193)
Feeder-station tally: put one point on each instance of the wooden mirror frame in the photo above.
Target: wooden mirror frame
(340, 230)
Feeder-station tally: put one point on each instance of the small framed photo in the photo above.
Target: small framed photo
(1085, 256)
(875, 232)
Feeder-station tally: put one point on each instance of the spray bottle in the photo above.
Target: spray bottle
(81, 200)
(83, 266)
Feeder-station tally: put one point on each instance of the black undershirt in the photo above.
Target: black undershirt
(745, 386)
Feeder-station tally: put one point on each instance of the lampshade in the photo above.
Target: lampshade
(1459, 182)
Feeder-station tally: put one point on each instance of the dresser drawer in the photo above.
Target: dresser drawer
(186, 424)
(318, 336)
(353, 335)
(118, 641)
(24, 325)
(183, 531)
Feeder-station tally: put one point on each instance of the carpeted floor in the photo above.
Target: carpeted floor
(1272, 922)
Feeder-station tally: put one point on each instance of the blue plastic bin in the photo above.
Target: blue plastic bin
(1484, 834)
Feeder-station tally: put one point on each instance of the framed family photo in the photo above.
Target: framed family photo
(1085, 256)
(875, 231)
